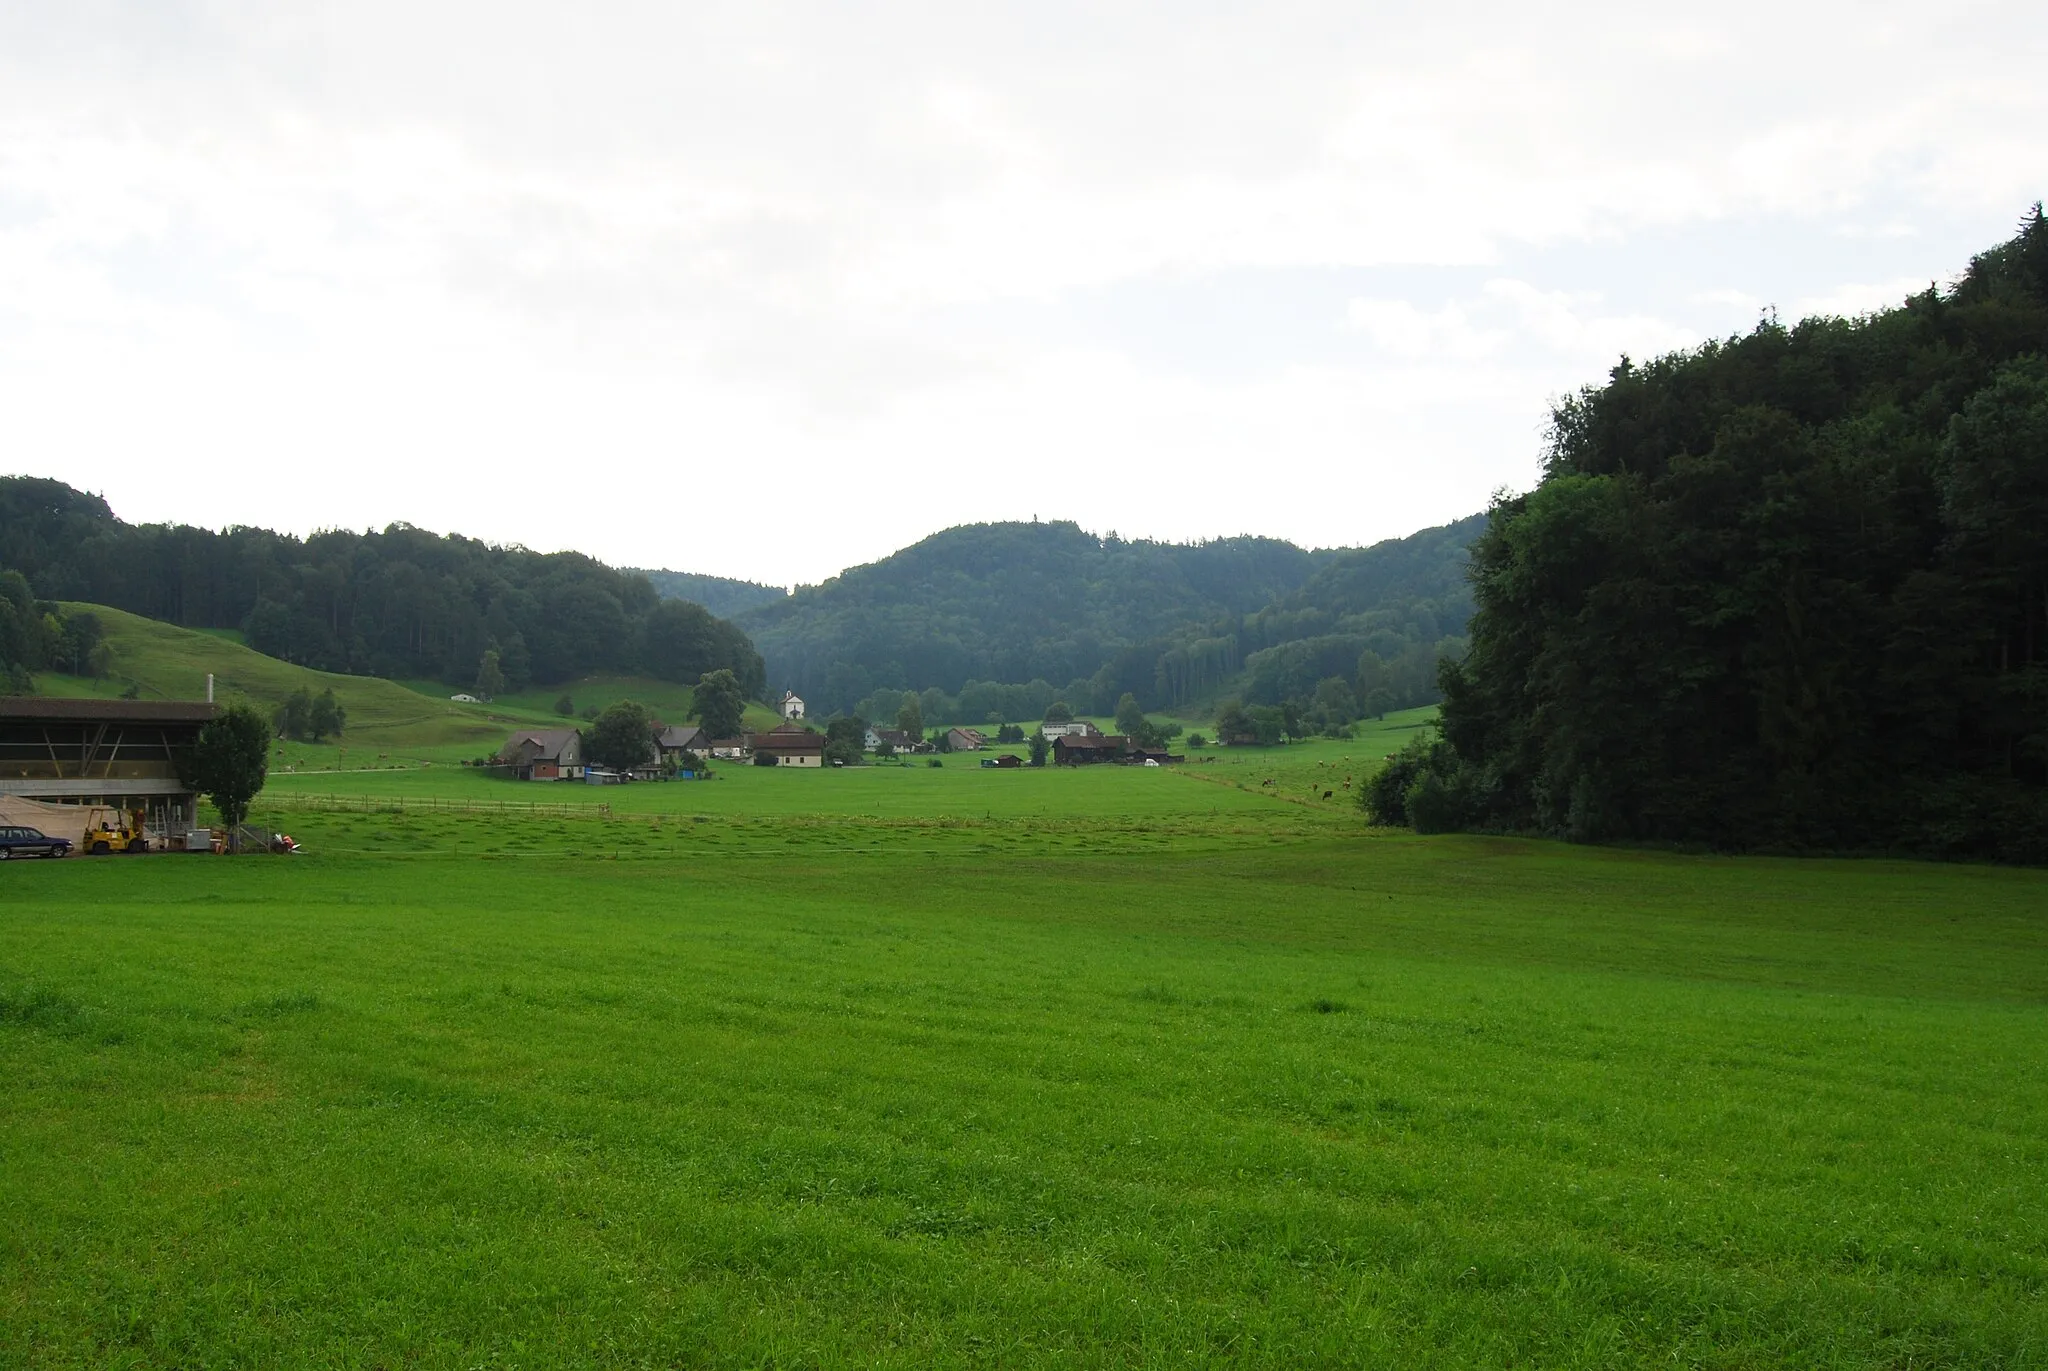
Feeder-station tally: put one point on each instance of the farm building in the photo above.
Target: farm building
(729, 749)
(896, 738)
(1079, 728)
(966, 739)
(1005, 762)
(544, 754)
(790, 744)
(672, 742)
(120, 753)
(1077, 749)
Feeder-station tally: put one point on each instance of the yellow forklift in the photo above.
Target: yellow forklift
(109, 830)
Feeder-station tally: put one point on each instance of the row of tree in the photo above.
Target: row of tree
(401, 603)
(1788, 591)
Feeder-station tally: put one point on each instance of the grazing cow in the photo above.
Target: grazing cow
(1267, 781)
(1347, 785)
(1326, 794)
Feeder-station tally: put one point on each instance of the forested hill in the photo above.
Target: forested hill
(402, 603)
(1788, 590)
(719, 594)
(1008, 602)
(1088, 618)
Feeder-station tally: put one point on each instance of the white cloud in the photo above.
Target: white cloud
(424, 261)
(1853, 298)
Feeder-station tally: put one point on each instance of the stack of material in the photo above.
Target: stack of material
(55, 821)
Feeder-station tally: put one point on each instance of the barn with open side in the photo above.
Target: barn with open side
(122, 753)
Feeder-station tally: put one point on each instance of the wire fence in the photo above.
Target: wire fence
(428, 804)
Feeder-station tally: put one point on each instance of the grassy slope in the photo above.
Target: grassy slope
(389, 724)
(1106, 1067)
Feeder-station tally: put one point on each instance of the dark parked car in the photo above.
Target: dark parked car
(28, 842)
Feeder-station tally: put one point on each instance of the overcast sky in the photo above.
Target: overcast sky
(767, 289)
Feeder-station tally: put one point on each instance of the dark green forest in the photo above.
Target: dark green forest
(401, 603)
(1787, 591)
(722, 595)
(999, 616)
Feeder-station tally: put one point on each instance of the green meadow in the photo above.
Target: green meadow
(911, 1067)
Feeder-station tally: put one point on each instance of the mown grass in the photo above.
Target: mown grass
(1119, 1086)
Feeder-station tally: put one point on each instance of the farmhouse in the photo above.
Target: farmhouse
(790, 744)
(122, 753)
(791, 706)
(1079, 728)
(966, 739)
(544, 754)
(896, 738)
(672, 742)
(1078, 749)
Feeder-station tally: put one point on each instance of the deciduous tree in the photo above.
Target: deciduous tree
(720, 704)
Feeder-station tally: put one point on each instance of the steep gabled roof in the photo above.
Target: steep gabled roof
(677, 736)
(547, 742)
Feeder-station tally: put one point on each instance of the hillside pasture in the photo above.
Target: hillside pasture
(765, 1090)
(391, 725)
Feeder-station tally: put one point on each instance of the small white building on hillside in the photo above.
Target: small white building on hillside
(792, 707)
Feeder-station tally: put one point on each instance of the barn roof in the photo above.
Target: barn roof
(45, 708)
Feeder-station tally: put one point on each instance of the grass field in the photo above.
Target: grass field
(937, 1066)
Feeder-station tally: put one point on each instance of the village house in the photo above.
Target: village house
(792, 707)
(544, 754)
(896, 738)
(966, 739)
(790, 744)
(1077, 729)
(672, 742)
